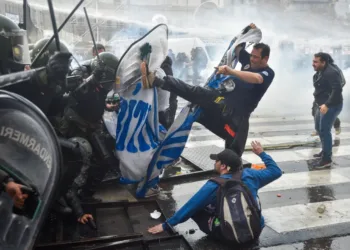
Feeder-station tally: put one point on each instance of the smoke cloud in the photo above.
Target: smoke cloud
(291, 91)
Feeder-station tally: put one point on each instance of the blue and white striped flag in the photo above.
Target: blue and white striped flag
(142, 144)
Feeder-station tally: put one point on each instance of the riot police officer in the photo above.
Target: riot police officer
(50, 51)
(14, 52)
(38, 85)
(83, 116)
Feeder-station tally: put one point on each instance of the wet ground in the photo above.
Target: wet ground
(335, 243)
(289, 205)
(176, 193)
(326, 235)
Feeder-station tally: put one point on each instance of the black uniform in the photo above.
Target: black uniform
(3, 180)
(225, 113)
(166, 117)
(83, 118)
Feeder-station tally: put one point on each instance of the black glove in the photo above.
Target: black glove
(246, 29)
(99, 70)
(58, 66)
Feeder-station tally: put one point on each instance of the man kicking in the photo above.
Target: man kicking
(225, 112)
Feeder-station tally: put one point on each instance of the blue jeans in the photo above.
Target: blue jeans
(323, 125)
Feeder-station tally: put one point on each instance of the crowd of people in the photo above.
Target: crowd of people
(77, 119)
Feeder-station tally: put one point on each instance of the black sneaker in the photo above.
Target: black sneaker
(319, 155)
(323, 163)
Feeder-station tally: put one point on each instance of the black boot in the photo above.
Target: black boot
(61, 207)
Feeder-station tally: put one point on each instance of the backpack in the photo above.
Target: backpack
(237, 213)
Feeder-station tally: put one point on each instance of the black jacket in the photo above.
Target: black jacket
(3, 179)
(166, 118)
(329, 86)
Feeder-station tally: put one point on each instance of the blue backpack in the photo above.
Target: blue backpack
(237, 215)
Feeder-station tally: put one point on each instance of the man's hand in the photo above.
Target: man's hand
(14, 190)
(156, 229)
(257, 148)
(84, 219)
(112, 107)
(225, 70)
(252, 25)
(323, 109)
(249, 27)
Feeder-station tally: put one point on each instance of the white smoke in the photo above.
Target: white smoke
(291, 90)
(345, 114)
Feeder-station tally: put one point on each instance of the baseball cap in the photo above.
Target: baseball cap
(228, 157)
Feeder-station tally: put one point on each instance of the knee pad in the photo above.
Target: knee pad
(84, 147)
(98, 140)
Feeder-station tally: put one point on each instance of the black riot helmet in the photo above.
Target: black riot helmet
(14, 50)
(111, 63)
(51, 49)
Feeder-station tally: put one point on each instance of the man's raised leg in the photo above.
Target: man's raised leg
(194, 94)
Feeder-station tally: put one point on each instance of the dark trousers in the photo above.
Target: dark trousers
(204, 220)
(212, 117)
(167, 117)
(315, 107)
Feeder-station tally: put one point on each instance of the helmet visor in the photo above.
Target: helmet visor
(19, 48)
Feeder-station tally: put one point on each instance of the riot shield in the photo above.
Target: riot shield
(30, 154)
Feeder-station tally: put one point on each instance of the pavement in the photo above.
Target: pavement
(290, 204)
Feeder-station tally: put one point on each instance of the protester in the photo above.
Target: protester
(100, 48)
(328, 81)
(201, 207)
(226, 113)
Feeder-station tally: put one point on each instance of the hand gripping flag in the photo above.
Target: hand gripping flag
(144, 148)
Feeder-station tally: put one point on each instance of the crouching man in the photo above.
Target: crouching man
(204, 209)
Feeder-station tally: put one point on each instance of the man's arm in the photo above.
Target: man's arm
(335, 81)
(271, 173)
(200, 200)
(246, 76)
(242, 55)
(74, 202)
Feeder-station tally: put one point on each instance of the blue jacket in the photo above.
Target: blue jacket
(253, 179)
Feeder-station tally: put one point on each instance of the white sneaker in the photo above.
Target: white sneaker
(314, 133)
(338, 131)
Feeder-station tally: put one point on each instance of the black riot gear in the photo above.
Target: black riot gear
(51, 49)
(83, 70)
(42, 84)
(31, 155)
(110, 63)
(14, 50)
